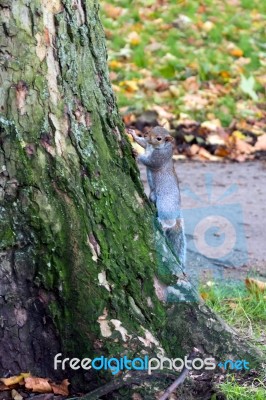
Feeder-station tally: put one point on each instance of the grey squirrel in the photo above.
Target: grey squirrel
(164, 187)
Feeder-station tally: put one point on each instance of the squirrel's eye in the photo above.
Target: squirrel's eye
(159, 138)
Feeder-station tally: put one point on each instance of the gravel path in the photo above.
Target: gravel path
(224, 207)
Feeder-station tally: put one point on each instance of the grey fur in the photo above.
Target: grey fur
(163, 182)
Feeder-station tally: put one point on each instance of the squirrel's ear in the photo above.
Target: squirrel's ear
(169, 139)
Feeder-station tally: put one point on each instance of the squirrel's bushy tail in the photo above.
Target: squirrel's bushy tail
(177, 239)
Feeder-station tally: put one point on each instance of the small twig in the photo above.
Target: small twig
(130, 378)
(184, 373)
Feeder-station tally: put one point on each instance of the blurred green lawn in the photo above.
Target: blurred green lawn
(206, 59)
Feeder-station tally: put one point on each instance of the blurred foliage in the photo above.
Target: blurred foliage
(198, 61)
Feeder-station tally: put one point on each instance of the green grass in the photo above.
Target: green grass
(240, 308)
(202, 45)
(233, 391)
(245, 312)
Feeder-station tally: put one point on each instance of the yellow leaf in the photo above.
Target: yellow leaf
(134, 38)
(239, 135)
(115, 64)
(130, 86)
(174, 90)
(12, 380)
(236, 52)
(204, 295)
(25, 374)
(225, 74)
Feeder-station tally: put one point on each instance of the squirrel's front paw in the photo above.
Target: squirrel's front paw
(131, 132)
(135, 153)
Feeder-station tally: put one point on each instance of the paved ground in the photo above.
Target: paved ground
(224, 206)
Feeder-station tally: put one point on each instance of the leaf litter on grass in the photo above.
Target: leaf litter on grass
(201, 64)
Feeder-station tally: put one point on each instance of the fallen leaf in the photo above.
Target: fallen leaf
(255, 286)
(114, 64)
(205, 154)
(191, 84)
(61, 388)
(189, 138)
(112, 11)
(194, 149)
(247, 86)
(225, 74)
(232, 305)
(195, 102)
(215, 139)
(208, 26)
(204, 295)
(236, 52)
(130, 86)
(12, 380)
(3, 387)
(243, 147)
(261, 143)
(222, 151)
(239, 135)
(40, 385)
(174, 90)
(15, 395)
(162, 112)
(134, 38)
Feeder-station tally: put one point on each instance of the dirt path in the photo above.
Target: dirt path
(224, 206)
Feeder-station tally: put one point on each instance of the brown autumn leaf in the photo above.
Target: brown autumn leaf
(194, 149)
(195, 101)
(191, 84)
(61, 388)
(40, 385)
(112, 11)
(3, 387)
(261, 143)
(243, 147)
(255, 286)
(222, 151)
(232, 305)
(204, 154)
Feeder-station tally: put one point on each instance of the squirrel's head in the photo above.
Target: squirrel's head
(158, 137)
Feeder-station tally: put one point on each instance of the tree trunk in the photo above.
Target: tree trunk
(84, 270)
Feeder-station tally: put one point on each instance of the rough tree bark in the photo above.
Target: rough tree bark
(79, 248)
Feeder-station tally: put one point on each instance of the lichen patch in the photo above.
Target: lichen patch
(103, 281)
(118, 327)
(104, 324)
